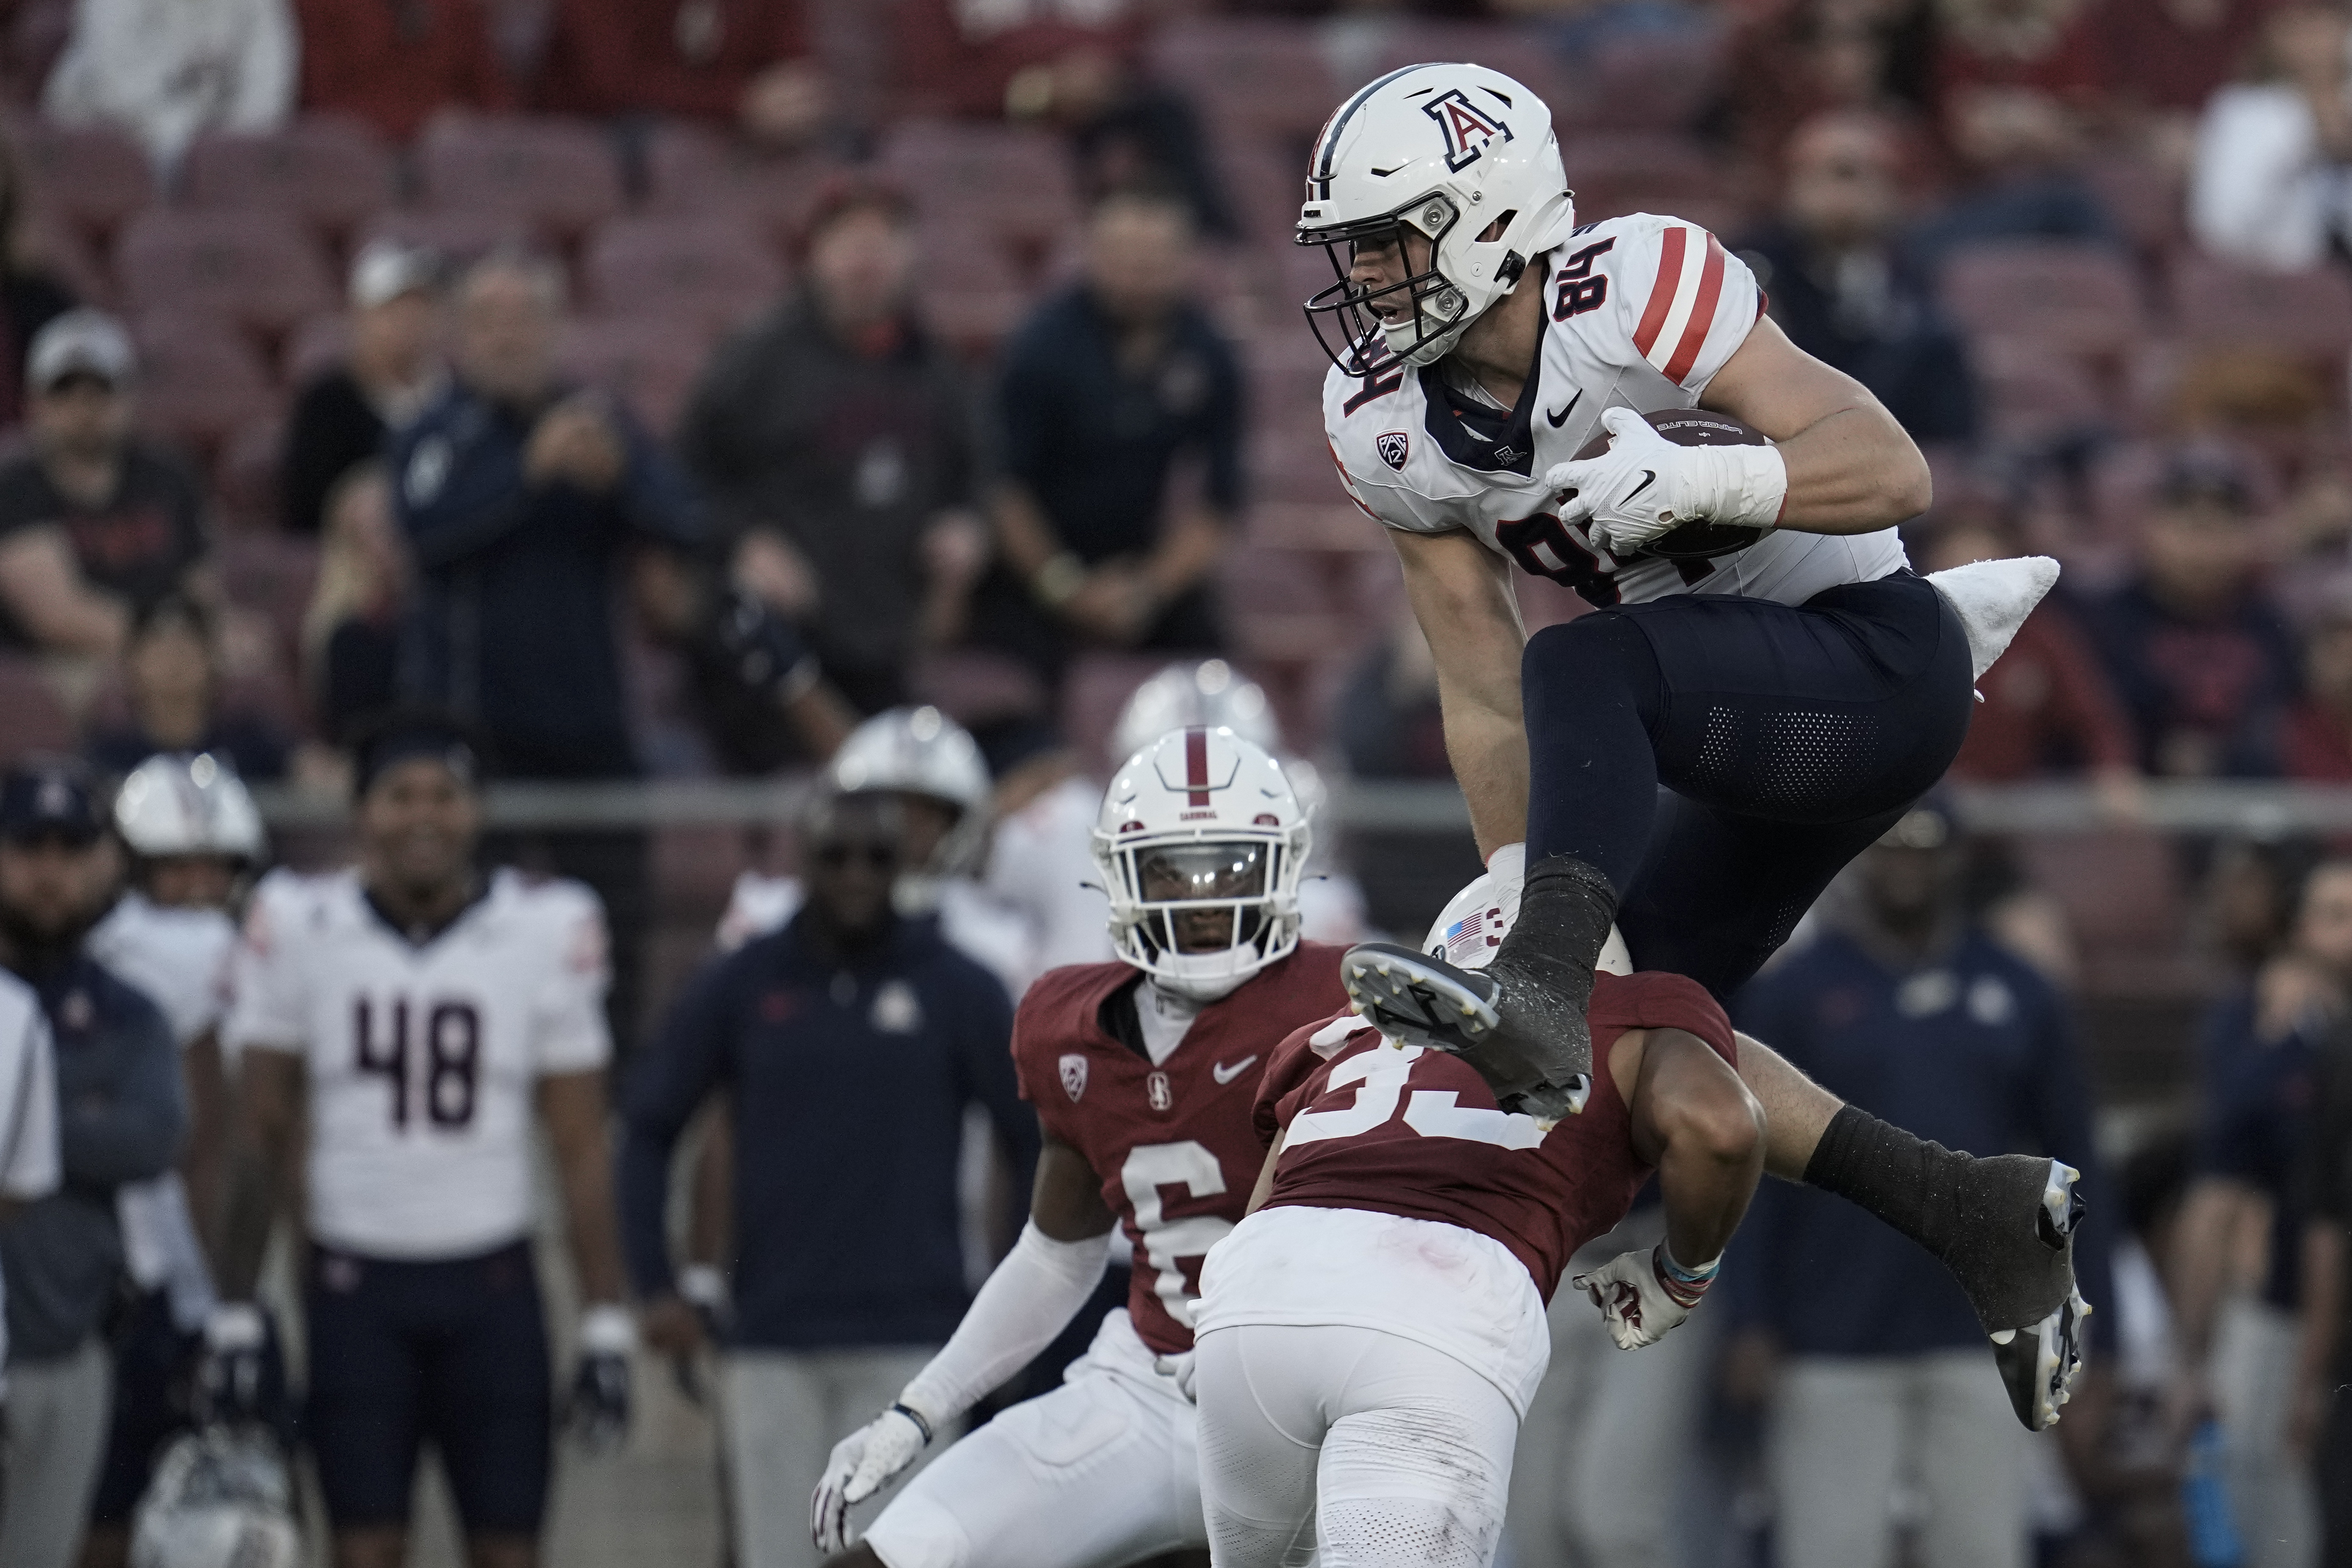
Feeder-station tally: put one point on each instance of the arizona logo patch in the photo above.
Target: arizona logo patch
(1393, 446)
(1073, 1076)
(1466, 127)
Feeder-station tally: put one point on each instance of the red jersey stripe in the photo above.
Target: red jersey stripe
(1196, 766)
(1661, 292)
(1702, 316)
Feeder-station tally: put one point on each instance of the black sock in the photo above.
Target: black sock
(1566, 906)
(1912, 1185)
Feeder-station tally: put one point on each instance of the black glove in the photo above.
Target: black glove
(759, 650)
(598, 1413)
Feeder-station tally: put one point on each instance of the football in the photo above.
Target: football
(1699, 540)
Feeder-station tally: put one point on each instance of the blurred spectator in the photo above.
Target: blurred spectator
(835, 442)
(2164, 59)
(1821, 56)
(1841, 290)
(31, 296)
(165, 70)
(2046, 703)
(2326, 1361)
(518, 498)
(393, 63)
(1105, 389)
(95, 524)
(2019, 149)
(394, 369)
(2317, 742)
(2241, 1337)
(172, 680)
(2049, 47)
(1907, 1011)
(350, 633)
(1387, 721)
(747, 64)
(121, 1118)
(2203, 662)
(848, 1262)
(2267, 188)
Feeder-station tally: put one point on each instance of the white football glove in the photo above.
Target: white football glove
(1644, 486)
(862, 1464)
(1180, 1367)
(1633, 1298)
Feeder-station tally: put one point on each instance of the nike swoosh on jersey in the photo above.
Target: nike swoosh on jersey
(1561, 417)
(1225, 1074)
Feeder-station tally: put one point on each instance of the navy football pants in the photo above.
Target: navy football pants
(1786, 739)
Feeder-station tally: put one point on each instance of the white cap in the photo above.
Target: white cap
(384, 269)
(81, 342)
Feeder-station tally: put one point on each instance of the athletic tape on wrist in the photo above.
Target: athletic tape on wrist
(1685, 1285)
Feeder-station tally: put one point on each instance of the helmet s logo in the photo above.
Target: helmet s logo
(1074, 1077)
(1393, 446)
(1466, 128)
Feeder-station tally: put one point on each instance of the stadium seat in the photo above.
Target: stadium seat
(2121, 893)
(259, 269)
(318, 345)
(2144, 197)
(333, 172)
(273, 575)
(2032, 390)
(1663, 81)
(713, 271)
(650, 366)
(245, 475)
(2066, 296)
(2301, 312)
(1614, 174)
(32, 718)
(458, 236)
(199, 383)
(1019, 174)
(1097, 688)
(1249, 75)
(557, 174)
(92, 177)
(691, 171)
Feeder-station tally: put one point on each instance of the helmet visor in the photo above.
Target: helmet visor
(1203, 897)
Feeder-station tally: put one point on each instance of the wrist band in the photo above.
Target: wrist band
(1685, 1285)
(1058, 580)
(911, 1413)
(606, 1329)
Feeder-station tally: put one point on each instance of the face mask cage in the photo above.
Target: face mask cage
(1171, 892)
(1345, 317)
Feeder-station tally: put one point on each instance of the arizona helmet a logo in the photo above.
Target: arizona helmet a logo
(1393, 446)
(1467, 127)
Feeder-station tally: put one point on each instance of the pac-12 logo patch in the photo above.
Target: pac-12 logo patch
(1074, 1077)
(1394, 447)
(1466, 127)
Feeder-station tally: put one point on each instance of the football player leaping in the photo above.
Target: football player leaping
(398, 1027)
(1143, 1073)
(1763, 651)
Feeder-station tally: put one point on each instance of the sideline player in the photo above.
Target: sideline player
(396, 1028)
(1371, 1335)
(1143, 1072)
(193, 837)
(1787, 679)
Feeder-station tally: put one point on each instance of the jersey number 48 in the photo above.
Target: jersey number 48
(438, 1072)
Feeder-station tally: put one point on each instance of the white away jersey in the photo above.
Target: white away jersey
(180, 958)
(423, 1057)
(1640, 311)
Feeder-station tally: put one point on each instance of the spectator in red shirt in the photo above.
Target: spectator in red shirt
(2043, 46)
(744, 63)
(2169, 56)
(2047, 704)
(393, 62)
(2318, 741)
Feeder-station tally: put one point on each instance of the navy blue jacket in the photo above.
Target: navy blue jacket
(1974, 1051)
(2256, 1122)
(515, 623)
(2205, 697)
(847, 1084)
(121, 1117)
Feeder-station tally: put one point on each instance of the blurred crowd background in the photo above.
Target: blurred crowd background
(667, 383)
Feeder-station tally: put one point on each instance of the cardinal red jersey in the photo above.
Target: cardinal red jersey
(1175, 1146)
(1417, 1133)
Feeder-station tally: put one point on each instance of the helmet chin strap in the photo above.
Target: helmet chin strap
(1198, 991)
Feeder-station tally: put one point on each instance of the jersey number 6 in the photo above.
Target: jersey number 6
(452, 1059)
(1169, 1244)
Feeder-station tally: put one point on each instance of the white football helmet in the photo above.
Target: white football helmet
(220, 1499)
(1212, 694)
(1472, 926)
(1201, 824)
(188, 805)
(921, 750)
(1450, 151)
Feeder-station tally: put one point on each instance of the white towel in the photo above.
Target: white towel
(1993, 599)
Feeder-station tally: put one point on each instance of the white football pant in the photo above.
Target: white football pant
(1380, 1449)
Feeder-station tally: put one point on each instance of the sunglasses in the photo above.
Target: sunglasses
(878, 857)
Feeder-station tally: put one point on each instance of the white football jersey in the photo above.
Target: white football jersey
(180, 959)
(422, 1056)
(1640, 311)
(974, 924)
(1041, 865)
(29, 1160)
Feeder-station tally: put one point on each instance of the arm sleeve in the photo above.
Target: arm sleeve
(29, 1166)
(1027, 1301)
(685, 1062)
(571, 1033)
(266, 1005)
(133, 1132)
